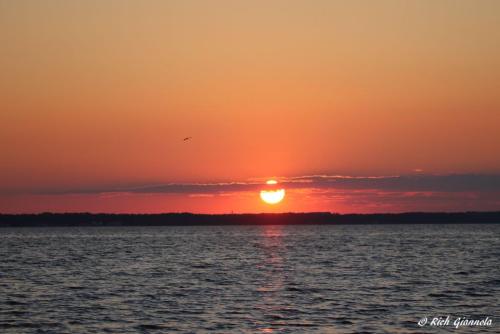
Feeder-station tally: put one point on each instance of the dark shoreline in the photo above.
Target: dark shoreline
(190, 219)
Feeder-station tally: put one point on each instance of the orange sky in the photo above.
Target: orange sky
(99, 94)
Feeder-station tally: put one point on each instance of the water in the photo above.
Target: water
(250, 279)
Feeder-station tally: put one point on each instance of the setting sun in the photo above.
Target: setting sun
(272, 196)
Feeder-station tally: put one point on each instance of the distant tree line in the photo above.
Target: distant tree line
(180, 219)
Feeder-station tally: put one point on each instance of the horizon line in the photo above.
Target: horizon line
(245, 213)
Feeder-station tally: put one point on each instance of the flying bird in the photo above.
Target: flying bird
(187, 138)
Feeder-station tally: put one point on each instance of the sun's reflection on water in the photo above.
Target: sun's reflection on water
(272, 279)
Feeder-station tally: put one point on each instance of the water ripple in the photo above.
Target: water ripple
(249, 279)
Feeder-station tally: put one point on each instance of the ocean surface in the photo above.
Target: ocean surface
(249, 279)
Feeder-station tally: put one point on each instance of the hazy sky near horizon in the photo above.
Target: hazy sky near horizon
(99, 94)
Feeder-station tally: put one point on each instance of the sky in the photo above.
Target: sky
(353, 106)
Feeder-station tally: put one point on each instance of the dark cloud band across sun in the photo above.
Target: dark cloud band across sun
(333, 193)
(438, 183)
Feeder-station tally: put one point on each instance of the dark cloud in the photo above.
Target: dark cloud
(440, 183)
(402, 183)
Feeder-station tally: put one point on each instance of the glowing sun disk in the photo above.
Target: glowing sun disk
(272, 196)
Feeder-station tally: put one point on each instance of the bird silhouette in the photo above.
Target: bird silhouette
(187, 138)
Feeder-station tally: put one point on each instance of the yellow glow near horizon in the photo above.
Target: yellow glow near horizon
(272, 182)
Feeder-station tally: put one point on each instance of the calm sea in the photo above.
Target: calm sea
(232, 279)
